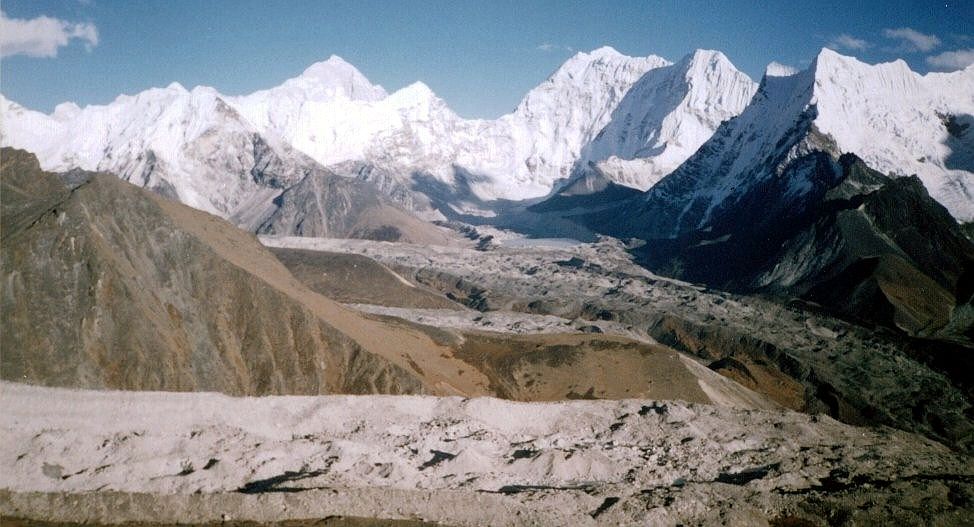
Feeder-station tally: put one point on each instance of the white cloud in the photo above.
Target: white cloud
(952, 60)
(42, 36)
(846, 41)
(912, 39)
(548, 46)
(777, 69)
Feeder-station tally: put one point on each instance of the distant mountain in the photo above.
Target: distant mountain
(194, 147)
(666, 116)
(900, 123)
(188, 145)
(412, 132)
(601, 120)
(210, 150)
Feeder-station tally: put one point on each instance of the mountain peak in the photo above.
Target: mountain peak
(605, 52)
(703, 62)
(331, 67)
(335, 76)
(176, 87)
(604, 59)
(66, 110)
(705, 56)
(832, 70)
(417, 92)
(830, 60)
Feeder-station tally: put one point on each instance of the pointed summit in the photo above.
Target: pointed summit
(708, 64)
(705, 57)
(416, 95)
(603, 52)
(416, 90)
(335, 77)
(607, 55)
(334, 65)
(667, 114)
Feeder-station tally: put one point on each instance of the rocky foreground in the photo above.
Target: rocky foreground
(193, 457)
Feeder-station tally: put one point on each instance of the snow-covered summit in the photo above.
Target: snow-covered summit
(666, 116)
(555, 120)
(335, 77)
(897, 121)
(601, 74)
(412, 130)
(189, 145)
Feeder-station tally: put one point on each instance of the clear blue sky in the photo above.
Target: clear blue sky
(481, 57)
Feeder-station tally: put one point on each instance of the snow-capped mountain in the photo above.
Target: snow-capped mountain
(666, 116)
(902, 123)
(412, 130)
(556, 120)
(189, 145)
(335, 122)
(198, 145)
(634, 118)
(194, 147)
(897, 121)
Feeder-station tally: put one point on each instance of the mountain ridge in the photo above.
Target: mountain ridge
(410, 144)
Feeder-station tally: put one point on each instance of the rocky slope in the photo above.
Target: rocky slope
(324, 204)
(864, 245)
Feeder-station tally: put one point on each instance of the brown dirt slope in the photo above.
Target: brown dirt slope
(553, 367)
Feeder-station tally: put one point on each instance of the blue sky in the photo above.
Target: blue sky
(481, 57)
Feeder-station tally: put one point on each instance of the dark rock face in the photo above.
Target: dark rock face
(104, 287)
(867, 247)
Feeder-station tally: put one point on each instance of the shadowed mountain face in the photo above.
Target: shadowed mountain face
(867, 246)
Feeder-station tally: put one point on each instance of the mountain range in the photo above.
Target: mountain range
(628, 121)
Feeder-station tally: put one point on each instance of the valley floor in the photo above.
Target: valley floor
(193, 457)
